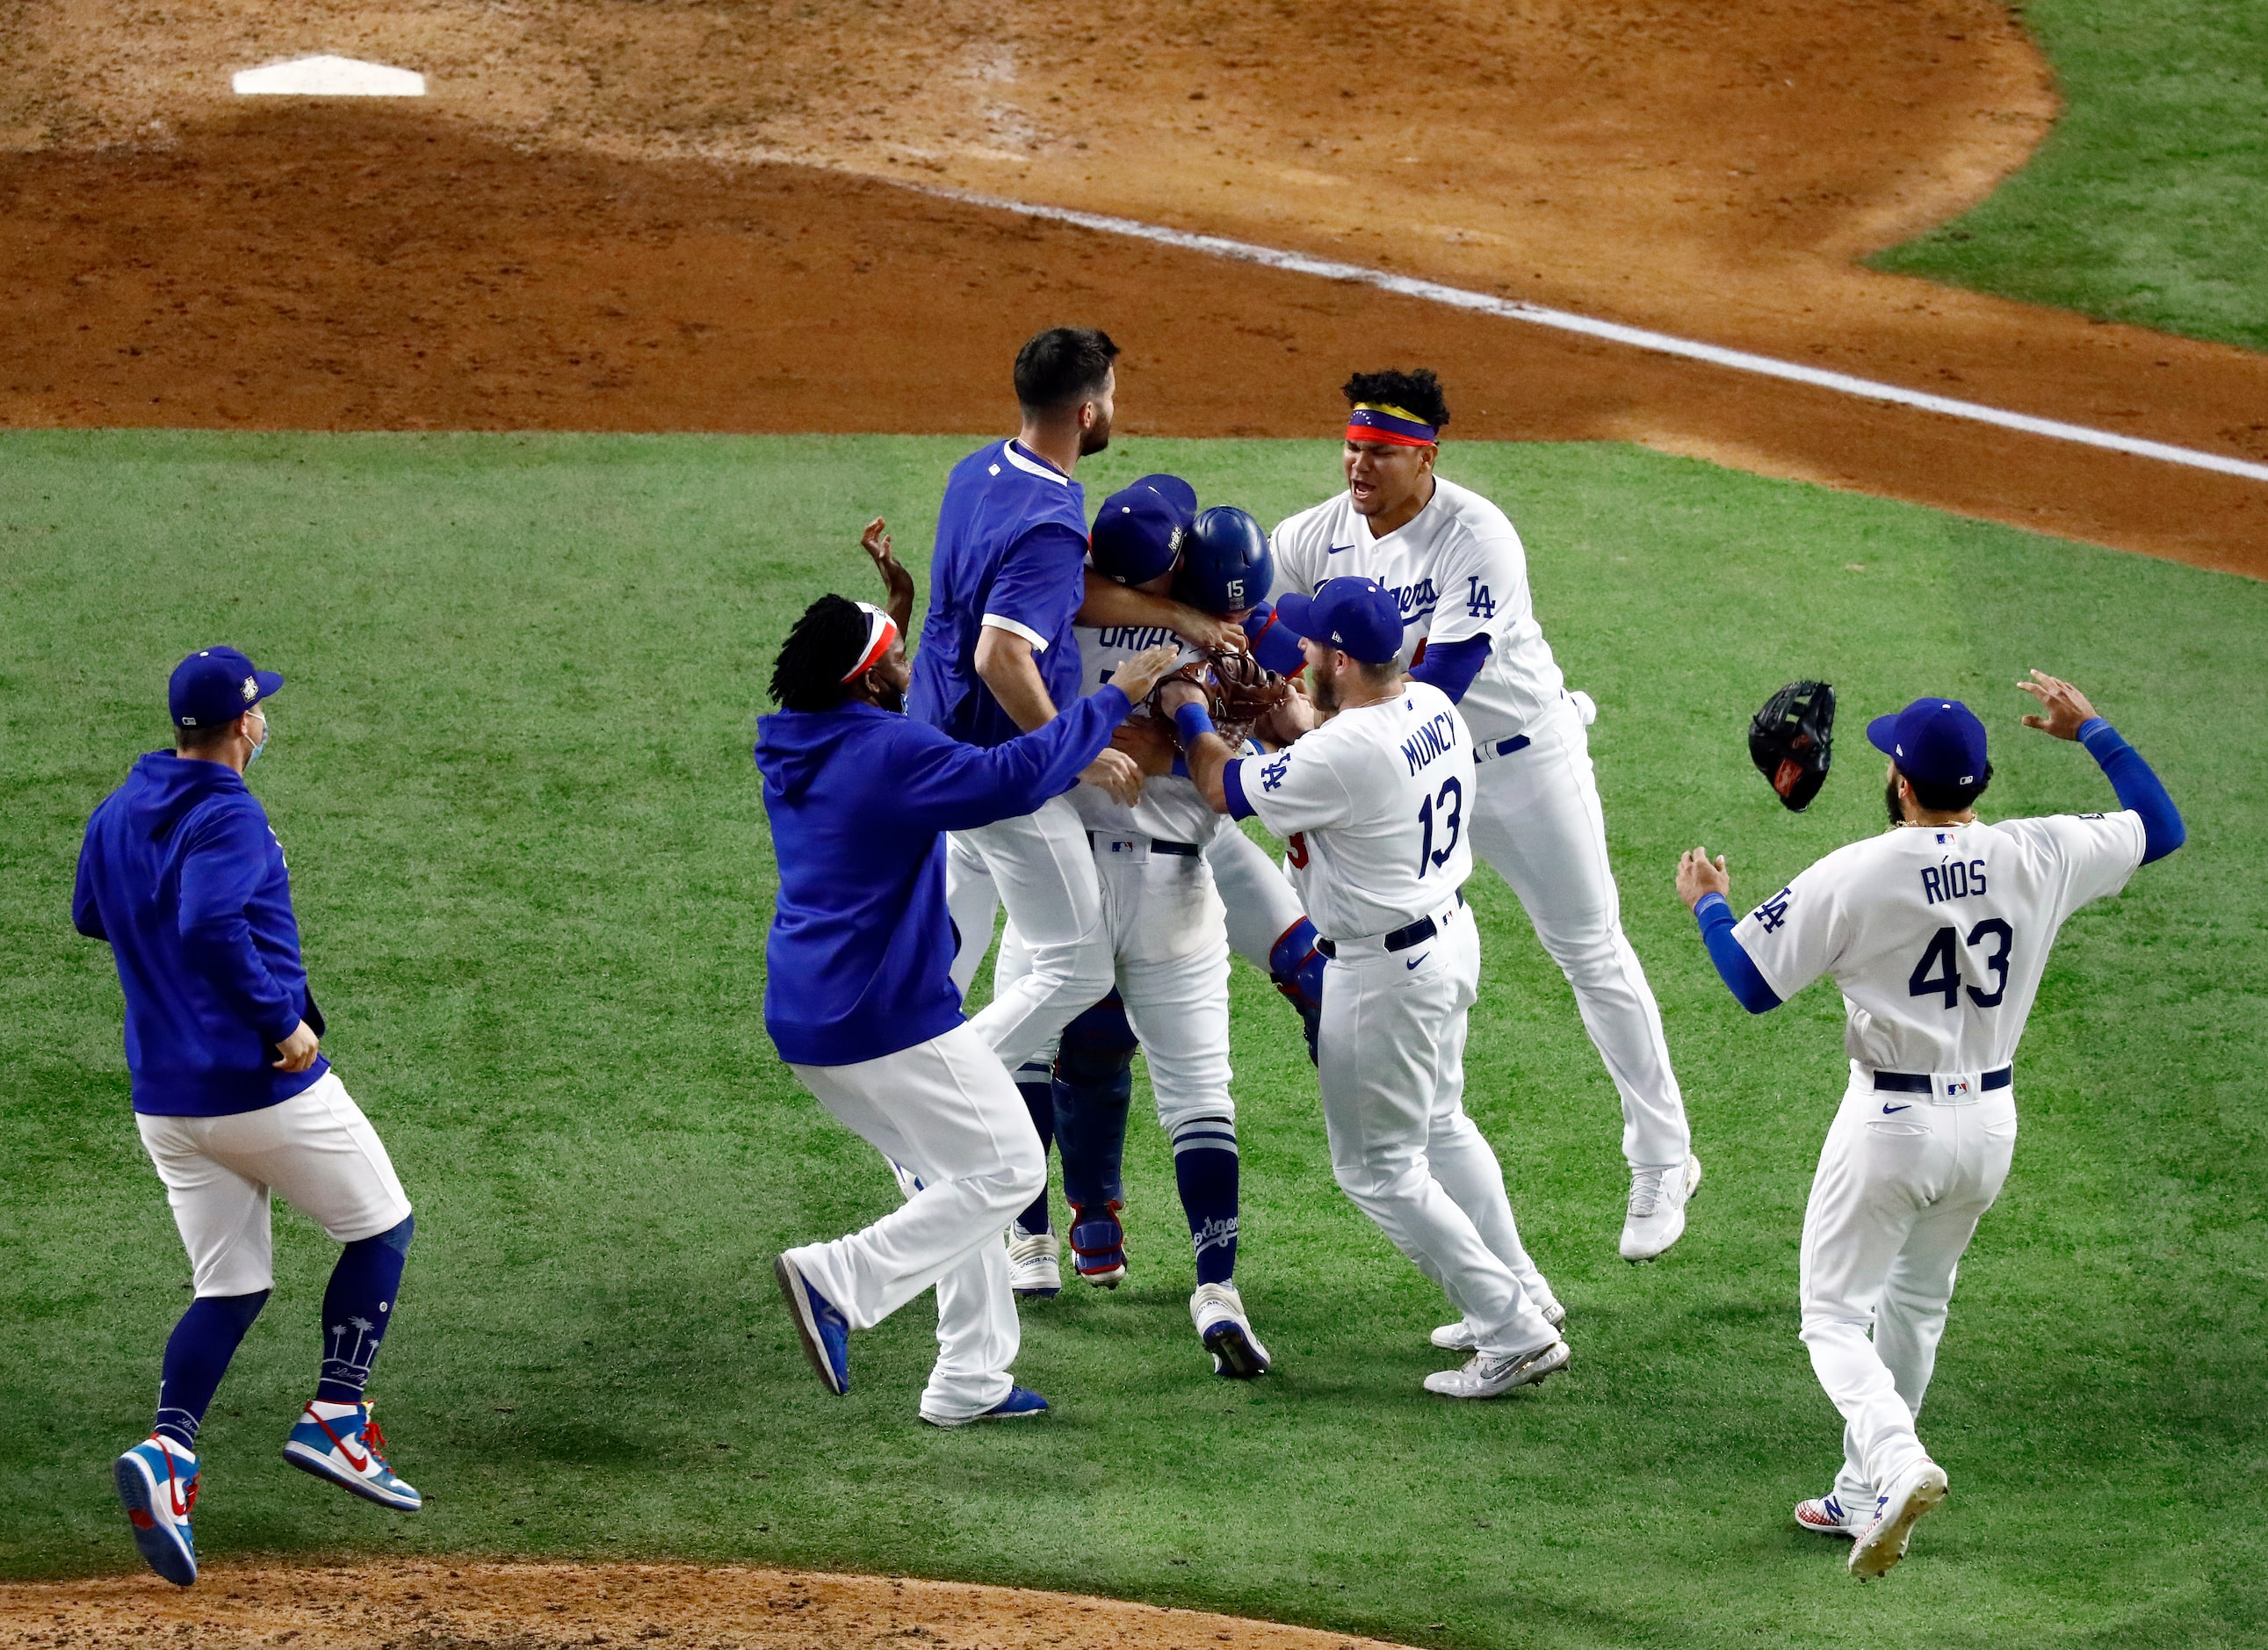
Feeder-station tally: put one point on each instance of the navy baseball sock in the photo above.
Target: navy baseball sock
(1206, 1172)
(356, 1307)
(197, 1357)
(1036, 1084)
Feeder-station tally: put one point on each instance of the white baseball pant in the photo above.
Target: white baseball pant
(1896, 1199)
(1170, 952)
(1261, 902)
(1536, 819)
(1391, 1053)
(316, 1148)
(1043, 872)
(951, 1123)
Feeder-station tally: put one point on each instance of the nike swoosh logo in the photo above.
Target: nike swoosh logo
(1338, 548)
(1414, 961)
(1887, 1110)
(359, 1466)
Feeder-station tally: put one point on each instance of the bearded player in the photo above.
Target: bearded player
(1457, 571)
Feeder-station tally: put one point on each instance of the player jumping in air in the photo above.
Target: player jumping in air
(1936, 933)
(1458, 576)
(182, 876)
(859, 995)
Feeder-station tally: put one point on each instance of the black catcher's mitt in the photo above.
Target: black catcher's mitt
(1791, 739)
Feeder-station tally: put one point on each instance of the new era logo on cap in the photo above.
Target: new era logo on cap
(215, 685)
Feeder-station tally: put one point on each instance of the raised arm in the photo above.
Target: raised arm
(897, 583)
(2067, 713)
(1107, 603)
(1706, 886)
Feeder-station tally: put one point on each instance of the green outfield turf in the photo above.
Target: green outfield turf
(2149, 201)
(510, 771)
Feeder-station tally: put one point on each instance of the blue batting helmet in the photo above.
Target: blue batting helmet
(1225, 563)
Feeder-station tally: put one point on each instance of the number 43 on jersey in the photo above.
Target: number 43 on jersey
(1937, 974)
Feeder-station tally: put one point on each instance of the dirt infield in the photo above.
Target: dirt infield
(470, 1606)
(587, 226)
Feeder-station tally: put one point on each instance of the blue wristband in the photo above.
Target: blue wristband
(1191, 722)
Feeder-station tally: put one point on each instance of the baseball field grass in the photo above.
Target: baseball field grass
(510, 772)
(2148, 203)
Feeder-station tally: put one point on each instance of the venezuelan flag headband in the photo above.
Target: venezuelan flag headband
(1375, 420)
(881, 630)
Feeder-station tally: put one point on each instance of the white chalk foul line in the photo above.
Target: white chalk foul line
(1614, 332)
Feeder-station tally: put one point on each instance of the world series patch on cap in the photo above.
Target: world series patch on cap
(1792, 742)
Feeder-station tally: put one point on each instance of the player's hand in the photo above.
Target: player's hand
(1200, 629)
(1149, 743)
(898, 583)
(1145, 671)
(298, 1049)
(1698, 876)
(1172, 696)
(1116, 774)
(1290, 719)
(2068, 708)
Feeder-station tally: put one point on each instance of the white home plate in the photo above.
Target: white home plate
(327, 77)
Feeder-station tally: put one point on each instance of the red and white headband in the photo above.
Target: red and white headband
(881, 630)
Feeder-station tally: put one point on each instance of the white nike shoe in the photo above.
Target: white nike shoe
(1218, 1311)
(1896, 1510)
(1657, 1208)
(1460, 1337)
(1829, 1517)
(1493, 1377)
(1033, 1270)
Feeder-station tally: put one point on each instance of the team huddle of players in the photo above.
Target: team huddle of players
(1369, 682)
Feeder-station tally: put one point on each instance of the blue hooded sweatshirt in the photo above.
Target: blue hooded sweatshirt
(859, 961)
(181, 873)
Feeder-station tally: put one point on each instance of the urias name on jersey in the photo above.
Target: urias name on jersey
(1171, 809)
(1937, 935)
(1457, 571)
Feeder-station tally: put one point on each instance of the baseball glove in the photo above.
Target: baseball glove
(1238, 691)
(1792, 740)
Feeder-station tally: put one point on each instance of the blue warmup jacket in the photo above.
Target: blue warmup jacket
(181, 873)
(859, 960)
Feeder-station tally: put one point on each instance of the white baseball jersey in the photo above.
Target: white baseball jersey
(1937, 935)
(1458, 572)
(1170, 809)
(1373, 806)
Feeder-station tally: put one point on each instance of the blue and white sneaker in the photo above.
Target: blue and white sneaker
(1019, 1403)
(157, 1486)
(1896, 1510)
(826, 1332)
(340, 1442)
(1829, 1517)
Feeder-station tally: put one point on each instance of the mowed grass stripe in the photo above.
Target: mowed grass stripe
(510, 772)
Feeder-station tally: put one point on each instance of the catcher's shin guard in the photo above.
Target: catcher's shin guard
(1093, 1088)
(1036, 1084)
(1296, 966)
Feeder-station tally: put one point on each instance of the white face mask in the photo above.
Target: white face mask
(265, 733)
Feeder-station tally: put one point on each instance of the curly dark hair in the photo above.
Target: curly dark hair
(826, 642)
(1418, 393)
(1949, 798)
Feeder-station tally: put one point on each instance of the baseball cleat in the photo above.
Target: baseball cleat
(1657, 1198)
(1032, 1270)
(1883, 1541)
(345, 1447)
(1827, 1516)
(1097, 1244)
(1493, 1377)
(826, 1332)
(1218, 1311)
(1459, 1336)
(156, 1484)
(1019, 1403)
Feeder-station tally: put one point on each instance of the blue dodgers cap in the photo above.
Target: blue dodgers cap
(1936, 741)
(1360, 617)
(1172, 488)
(216, 685)
(1138, 531)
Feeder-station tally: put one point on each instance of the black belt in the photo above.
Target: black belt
(1158, 846)
(1415, 935)
(1915, 1083)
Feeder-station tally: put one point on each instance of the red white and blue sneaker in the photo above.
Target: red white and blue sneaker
(341, 1443)
(1097, 1244)
(1827, 1516)
(157, 1486)
(826, 1332)
(1020, 1403)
